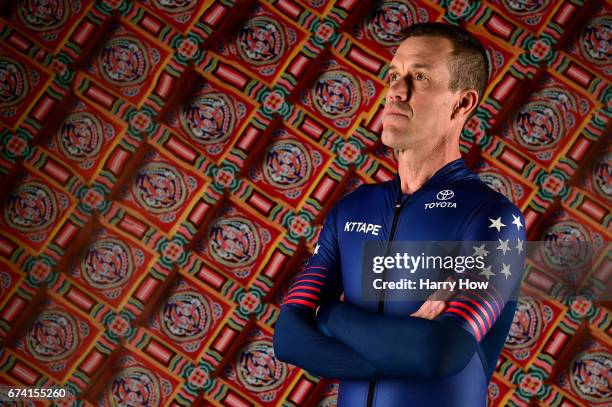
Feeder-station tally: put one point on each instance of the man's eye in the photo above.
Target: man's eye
(392, 77)
(420, 77)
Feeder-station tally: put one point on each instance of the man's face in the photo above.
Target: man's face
(418, 104)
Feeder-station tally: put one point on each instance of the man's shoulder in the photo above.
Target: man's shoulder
(373, 187)
(480, 194)
(489, 208)
(366, 192)
(362, 200)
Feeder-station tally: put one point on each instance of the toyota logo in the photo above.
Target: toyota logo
(445, 195)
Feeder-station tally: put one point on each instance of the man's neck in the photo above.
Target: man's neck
(416, 166)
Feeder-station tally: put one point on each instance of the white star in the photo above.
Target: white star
(496, 223)
(503, 245)
(519, 245)
(316, 250)
(505, 270)
(480, 251)
(487, 272)
(517, 222)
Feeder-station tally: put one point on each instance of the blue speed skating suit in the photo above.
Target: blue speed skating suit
(383, 356)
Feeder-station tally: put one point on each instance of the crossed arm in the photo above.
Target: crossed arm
(358, 344)
(298, 340)
(364, 345)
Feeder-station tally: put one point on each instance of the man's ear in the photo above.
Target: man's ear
(467, 102)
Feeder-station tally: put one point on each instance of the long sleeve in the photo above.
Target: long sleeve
(297, 340)
(419, 348)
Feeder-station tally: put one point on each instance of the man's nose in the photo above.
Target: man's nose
(398, 90)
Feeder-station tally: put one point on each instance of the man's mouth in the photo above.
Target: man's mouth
(395, 111)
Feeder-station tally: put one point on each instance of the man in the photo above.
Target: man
(396, 353)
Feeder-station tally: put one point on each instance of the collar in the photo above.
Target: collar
(452, 171)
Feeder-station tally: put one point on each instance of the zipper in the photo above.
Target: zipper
(381, 302)
(396, 212)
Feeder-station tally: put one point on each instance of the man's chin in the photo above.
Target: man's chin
(392, 138)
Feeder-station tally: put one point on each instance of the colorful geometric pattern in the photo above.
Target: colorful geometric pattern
(166, 165)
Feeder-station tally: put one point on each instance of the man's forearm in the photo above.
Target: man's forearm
(299, 342)
(402, 347)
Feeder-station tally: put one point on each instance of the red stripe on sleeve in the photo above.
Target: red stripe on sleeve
(467, 319)
(312, 274)
(481, 308)
(310, 281)
(492, 287)
(494, 311)
(301, 294)
(473, 312)
(305, 287)
(315, 267)
(301, 302)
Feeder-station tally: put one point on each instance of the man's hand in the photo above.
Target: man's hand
(431, 308)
